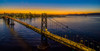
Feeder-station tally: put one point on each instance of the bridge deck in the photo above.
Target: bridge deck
(57, 38)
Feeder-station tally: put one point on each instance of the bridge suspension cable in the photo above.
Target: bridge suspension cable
(84, 39)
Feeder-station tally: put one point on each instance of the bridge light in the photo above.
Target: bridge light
(81, 41)
(98, 46)
(65, 36)
(46, 29)
(85, 40)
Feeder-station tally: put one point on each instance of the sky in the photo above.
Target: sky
(50, 6)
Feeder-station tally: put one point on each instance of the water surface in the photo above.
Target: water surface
(85, 27)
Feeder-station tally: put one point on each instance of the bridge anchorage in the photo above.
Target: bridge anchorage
(45, 33)
(9, 21)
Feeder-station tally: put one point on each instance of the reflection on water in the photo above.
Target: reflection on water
(21, 36)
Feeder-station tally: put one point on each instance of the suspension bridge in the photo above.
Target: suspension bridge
(46, 33)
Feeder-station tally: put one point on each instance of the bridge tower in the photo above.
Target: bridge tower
(43, 26)
(44, 44)
(43, 22)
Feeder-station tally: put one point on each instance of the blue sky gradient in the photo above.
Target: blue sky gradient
(52, 4)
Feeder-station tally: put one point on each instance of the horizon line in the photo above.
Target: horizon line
(51, 14)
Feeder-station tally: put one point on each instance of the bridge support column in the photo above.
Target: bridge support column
(12, 26)
(12, 22)
(44, 44)
(8, 21)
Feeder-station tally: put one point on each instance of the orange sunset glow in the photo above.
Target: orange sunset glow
(49, 11)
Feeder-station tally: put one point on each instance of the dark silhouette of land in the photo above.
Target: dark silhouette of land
(30, 15)
(89, 14)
